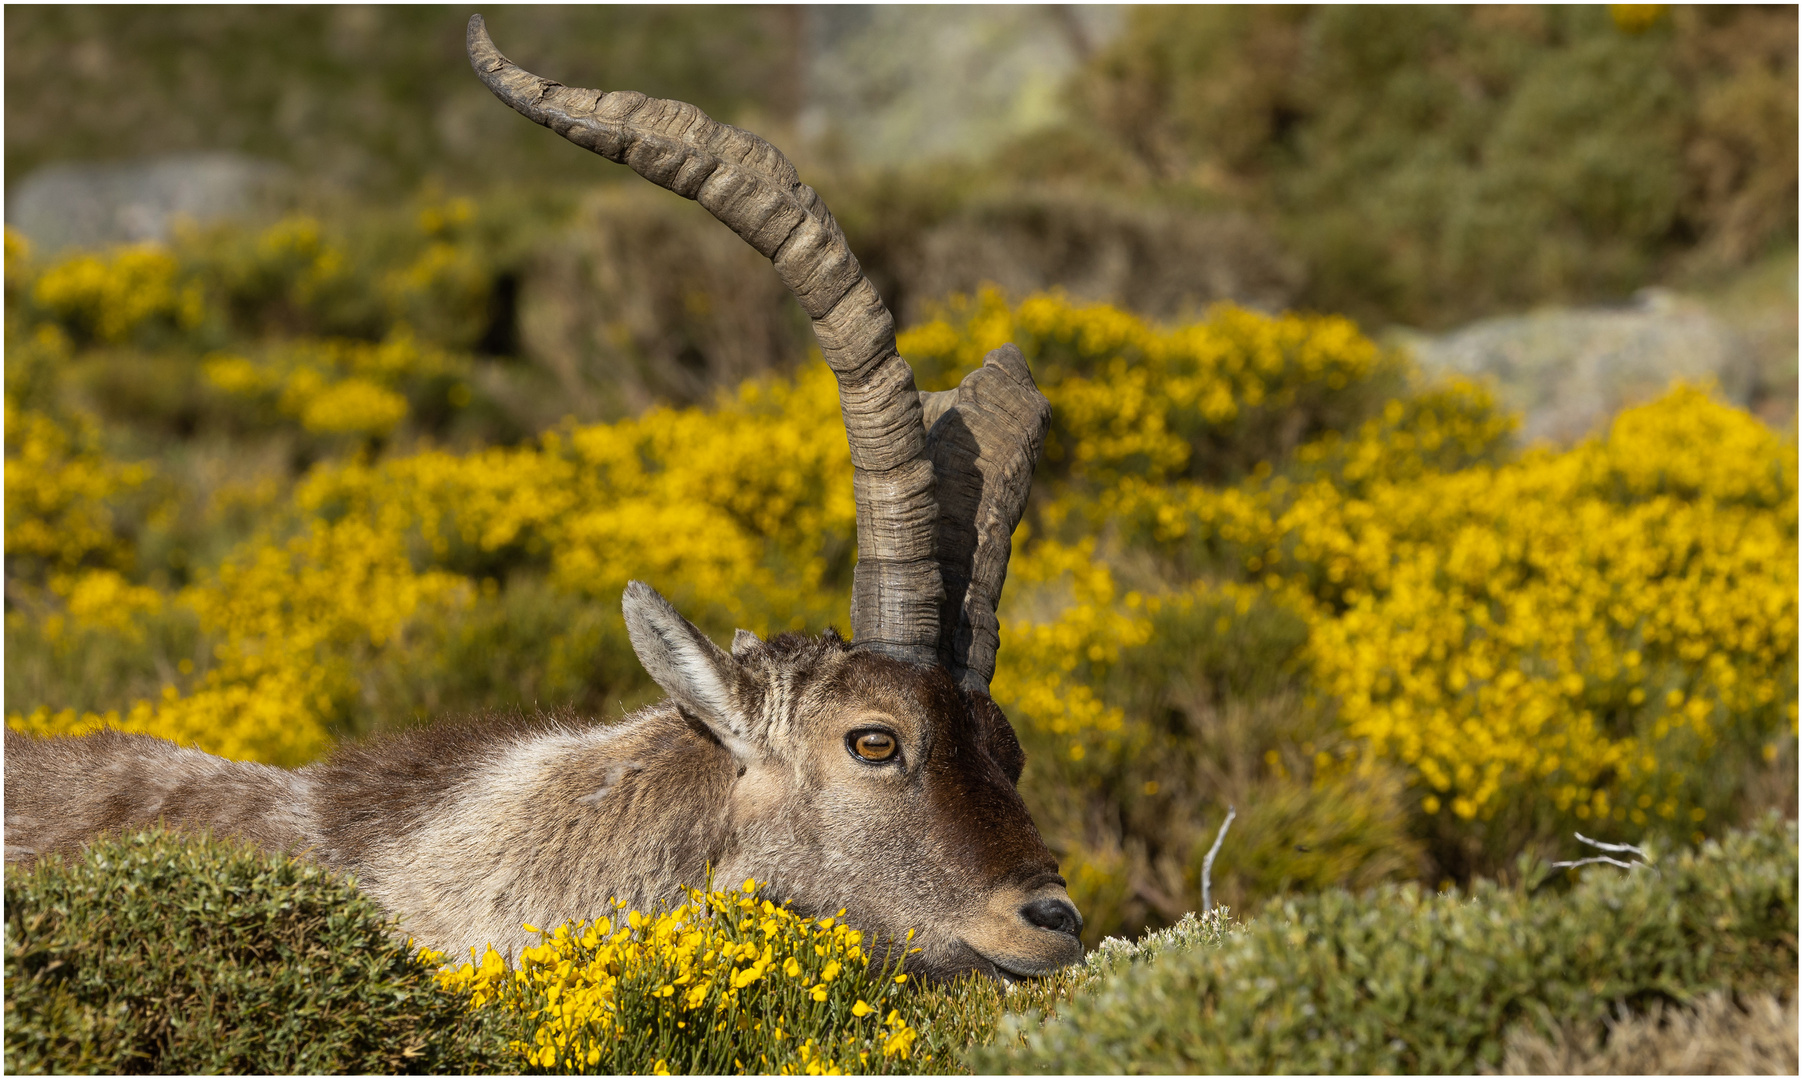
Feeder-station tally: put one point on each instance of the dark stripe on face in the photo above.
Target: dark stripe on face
(977, 815)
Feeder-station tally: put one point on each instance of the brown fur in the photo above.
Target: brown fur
(61, 792)
(470, 830)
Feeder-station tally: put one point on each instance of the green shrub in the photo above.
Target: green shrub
(963, 1016)
(1431, 164)
(354, 95)
(160, 953)
(1405, 980)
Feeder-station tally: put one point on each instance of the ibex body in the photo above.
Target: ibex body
(874, 775)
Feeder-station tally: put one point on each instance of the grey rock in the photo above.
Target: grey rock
(71, 205)
(896, 84)
(1567, 371)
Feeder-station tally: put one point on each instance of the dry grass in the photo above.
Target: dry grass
(1712, 1037)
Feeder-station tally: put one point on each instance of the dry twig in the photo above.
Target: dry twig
(1208, 861)
(1626, 849)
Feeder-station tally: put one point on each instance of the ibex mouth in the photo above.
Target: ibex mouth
(961, 958)
(1012, 975)
(1013, 956)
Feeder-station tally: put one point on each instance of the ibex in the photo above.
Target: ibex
(874, 775)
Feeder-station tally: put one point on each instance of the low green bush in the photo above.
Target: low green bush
(162, 953)
(962, 1016)
(165, 954)
(1406, 980)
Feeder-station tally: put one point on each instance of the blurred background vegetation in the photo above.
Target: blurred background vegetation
(408, 267)
(1417, 165)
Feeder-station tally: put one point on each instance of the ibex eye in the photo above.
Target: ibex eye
(873, 745)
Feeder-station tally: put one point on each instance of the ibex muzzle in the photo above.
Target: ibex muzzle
(874, 775)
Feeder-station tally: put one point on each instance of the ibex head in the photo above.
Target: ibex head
(873, 784)
(877, 774)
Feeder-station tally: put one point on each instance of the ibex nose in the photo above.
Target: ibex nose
(1053, 913)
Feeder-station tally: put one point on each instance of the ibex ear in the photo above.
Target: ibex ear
(695, 672)
(743, 641)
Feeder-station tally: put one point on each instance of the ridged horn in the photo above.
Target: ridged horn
(752, 188)
(984, 438)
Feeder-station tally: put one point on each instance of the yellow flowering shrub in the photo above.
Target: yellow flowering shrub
(18, 260)
(1637, 18)
(444, 286)
(1048, 674)
(109, 296)
(336, 386)
(746, 508)
(1591, 629)
(673, 497)
(762, 537)
(725, 982)
(59, 492)
(292, 620)
(1133, 399)
(293, 255)
(106, 599)
(1137, 408)
(1576, 630)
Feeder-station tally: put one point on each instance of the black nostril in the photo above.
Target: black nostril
(1053, 914)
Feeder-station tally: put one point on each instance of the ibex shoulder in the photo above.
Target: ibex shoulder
(470, 829)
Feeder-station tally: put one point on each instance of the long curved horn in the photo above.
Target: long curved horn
(984, 439)
(751, 187)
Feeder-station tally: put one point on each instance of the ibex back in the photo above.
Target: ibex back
(874, 775)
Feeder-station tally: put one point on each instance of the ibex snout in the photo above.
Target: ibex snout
(1027, 932)
(1054, 913)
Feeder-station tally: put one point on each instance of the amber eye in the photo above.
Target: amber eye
(873, 745)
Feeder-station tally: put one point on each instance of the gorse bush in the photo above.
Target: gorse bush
(1569, 631)
(59, 500)
(725, 982)
(111, 296)
(1132, 399)
(1535, 641)
(338, 387)
(153, 953)
(1404, 980)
